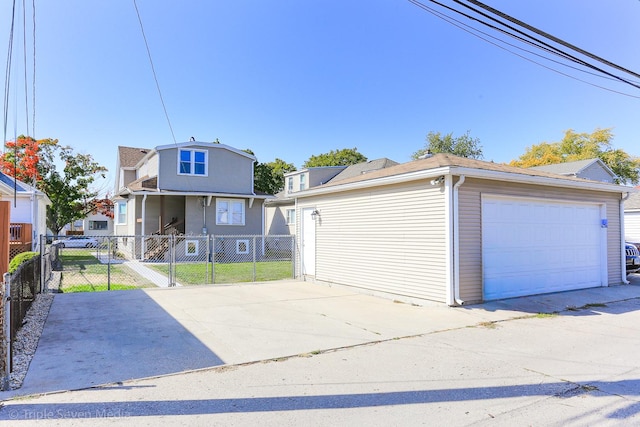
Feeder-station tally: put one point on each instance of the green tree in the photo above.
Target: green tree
(463, 146)
(344, 157)
(269, 177)
(582, 146)
(70, 190)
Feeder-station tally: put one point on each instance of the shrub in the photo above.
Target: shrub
(20, 259)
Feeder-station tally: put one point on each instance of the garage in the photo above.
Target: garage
(533, 246)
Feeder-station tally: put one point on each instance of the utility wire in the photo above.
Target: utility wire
(569, 56)
(24, 61)
(536, 43)
(33, 89)
(473, 31)
(550, 37)
(153, 70)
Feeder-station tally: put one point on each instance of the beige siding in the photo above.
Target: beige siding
(389, 239)
(470, 226)
(632, 227)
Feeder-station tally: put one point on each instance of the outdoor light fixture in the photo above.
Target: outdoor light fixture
(315, 214)
(437, 181)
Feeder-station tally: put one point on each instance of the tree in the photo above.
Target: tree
(25, 158)
(69, 190)
(344, 157)
(269, 177)
(582, 146)
(463, 146)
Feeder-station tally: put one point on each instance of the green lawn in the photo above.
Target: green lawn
(82, 272)
(97, 288)
(200, 273)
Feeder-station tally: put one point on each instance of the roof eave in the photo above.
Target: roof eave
(470, 173)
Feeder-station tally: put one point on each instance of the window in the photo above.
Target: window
(191, 248)
(98, 225)
(192, 162)
(242, 247)
(229, 212)
(290, 184)
(303, 182)
(121, 217)
(291, 216)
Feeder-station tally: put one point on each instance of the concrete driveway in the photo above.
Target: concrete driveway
(97, 338)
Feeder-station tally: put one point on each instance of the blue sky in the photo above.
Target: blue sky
(290, 79)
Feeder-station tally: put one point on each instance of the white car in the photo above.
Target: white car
(77, 242)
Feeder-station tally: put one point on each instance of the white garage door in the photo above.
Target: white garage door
(534, 246)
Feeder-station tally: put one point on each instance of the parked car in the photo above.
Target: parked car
(77, 242)
(633, 257)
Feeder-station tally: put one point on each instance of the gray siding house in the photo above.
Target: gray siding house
(593, 169)
(191, 188)
(457, 231)
(632, 217)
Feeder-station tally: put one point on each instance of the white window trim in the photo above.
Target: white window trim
(186, 247)
(302, 183)
(117, 213)
(192, 162)
(290, 220)
(230, 213)
(246, 245)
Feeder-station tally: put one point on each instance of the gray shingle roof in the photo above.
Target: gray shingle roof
(9, 181)
(130, 156)
(633, 202)
(449, 160)
(568, 168)
(363, 168)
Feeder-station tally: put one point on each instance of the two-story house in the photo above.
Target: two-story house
(191, 188)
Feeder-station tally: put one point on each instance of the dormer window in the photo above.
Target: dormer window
(303, 182)
(192, 162)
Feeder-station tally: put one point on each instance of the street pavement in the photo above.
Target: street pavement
(292, 353)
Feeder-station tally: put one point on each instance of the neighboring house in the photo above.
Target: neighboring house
(28, 212)
(593, 169)
(191, 188)
(457, 230)
(632, 217)
(280, 212)
(97, 224)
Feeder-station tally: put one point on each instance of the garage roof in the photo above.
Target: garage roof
(448, 164)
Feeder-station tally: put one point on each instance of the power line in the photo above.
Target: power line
(557, 40)
(153, 70)
(474, 32)
(533, 42)
(550, 37)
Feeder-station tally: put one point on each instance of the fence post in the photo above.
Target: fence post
(213, 258)
(42, 266)
(6, 330)
(172, 260)
(108, 263)
(254, 258)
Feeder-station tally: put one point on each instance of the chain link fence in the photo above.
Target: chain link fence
(91, 263)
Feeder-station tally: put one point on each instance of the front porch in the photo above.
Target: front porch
(20, 238)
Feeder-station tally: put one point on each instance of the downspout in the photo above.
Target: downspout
(456, 242)
(623, 258)
(142, 229)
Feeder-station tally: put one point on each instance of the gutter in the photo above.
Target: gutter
(469, 173)
(623, 258)
(456, 243)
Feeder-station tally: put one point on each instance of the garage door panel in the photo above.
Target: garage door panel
(533, 246)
